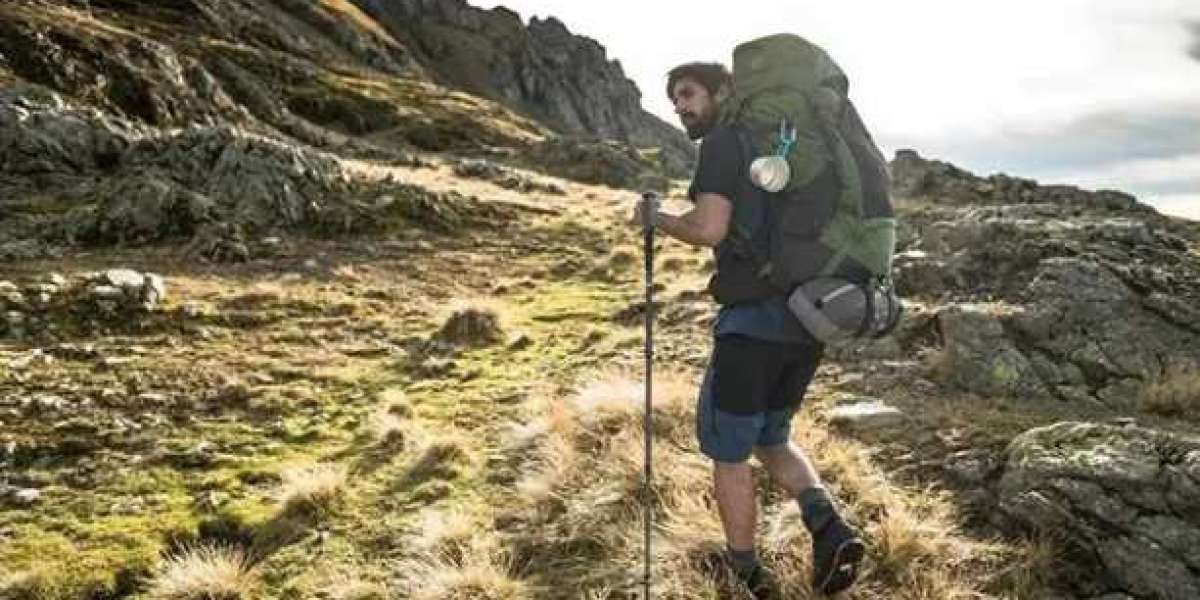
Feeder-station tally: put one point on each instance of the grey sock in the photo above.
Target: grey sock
(816, 508)
(744, 562)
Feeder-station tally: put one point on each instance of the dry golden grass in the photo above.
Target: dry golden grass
(581, 496)
(204, 573)
(386, 428)
(27, 585)
(312, 490)
(352, 12)
(1176, 395)
(349, 586)
(395, 401)
(482, 572)
(452, 534)
(443, 457)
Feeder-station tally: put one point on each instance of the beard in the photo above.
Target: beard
(699, 126)
(698, 130)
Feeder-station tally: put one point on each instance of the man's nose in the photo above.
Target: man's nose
(679, 107)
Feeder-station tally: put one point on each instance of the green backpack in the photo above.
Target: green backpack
(817, 229)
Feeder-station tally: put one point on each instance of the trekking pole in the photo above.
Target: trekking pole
(649, 208)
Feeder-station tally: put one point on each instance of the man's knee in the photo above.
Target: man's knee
(768, 453)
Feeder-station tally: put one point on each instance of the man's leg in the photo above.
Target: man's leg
(733, 486)
(837, 548)
(788, 466)
(729, 418)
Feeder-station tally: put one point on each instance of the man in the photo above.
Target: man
(761, 364)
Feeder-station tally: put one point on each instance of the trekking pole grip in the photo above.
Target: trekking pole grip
(649, 209)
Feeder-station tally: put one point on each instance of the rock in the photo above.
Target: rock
(26, 497)
(126, 290)
(979, 356)
(597, 162)
(1127, 498)
(202, 454)
(864, 416)
(45, 404)
(972, 468)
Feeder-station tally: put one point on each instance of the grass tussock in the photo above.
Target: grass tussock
(396, 402)
(452, 534)
(475, 324)
(347, 586)
(478, 571)
(386, 429)
(31, 585)
(1176, 395)
(312, 490)
(445, 457)
(204, 573)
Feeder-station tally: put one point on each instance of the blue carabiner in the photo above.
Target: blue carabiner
(787, 137)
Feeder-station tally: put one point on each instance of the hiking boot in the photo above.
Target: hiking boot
(837, 552)
(761, 583)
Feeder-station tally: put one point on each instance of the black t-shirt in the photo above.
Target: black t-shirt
(719, 170)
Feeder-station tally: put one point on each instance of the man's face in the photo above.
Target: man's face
(697, 109)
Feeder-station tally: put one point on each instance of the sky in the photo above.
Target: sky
(1094, 93)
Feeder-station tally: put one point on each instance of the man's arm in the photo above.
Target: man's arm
(704, 225)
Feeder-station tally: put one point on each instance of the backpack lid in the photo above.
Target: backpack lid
(784, 61)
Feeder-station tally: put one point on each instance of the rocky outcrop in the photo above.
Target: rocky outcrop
(916, 177)
(162, 78)
(127, 183)
(1125, 499)
(1089, 295)
(45, 304)
(597, 162)
(542, 70)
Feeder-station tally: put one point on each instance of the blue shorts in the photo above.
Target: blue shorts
(750, 391)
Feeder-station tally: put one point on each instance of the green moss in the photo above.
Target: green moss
(74, 550)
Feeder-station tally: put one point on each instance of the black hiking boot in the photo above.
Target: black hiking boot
(837, 552)
(761, 583)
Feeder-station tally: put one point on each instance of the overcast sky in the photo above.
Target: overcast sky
(1097, 93)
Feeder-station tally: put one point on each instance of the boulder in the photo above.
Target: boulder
(1126, 499)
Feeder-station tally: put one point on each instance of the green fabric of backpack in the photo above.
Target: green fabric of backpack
(786, 79)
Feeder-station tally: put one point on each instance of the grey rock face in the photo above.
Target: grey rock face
(1100, 294)
(978, 355)
(1126, 496)
(542, 70)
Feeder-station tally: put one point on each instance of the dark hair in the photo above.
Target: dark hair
(713, 76)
